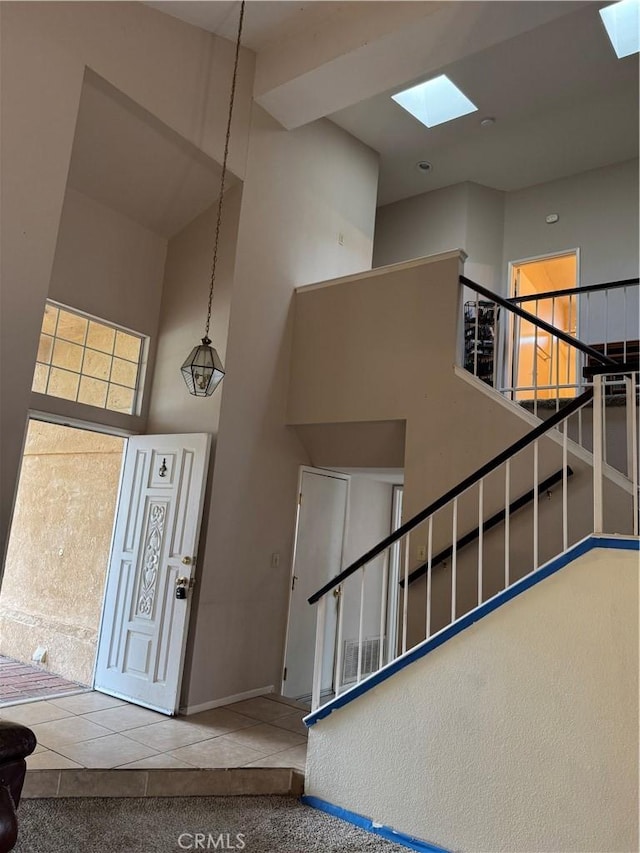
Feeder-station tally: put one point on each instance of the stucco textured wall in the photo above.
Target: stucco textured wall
(59, 548)
(519, 734)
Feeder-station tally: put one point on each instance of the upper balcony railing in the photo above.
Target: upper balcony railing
(534, 348)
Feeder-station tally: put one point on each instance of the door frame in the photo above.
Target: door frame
(506, 350)
(77, 423)
(89, 426)
(337, 475)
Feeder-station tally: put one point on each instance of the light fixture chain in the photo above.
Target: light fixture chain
(223, 175)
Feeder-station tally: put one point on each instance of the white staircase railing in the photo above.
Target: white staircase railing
(455, 543)
(492, 562)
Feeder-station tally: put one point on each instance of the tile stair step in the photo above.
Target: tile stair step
(193, 782)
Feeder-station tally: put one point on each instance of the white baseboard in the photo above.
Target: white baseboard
(227, 700)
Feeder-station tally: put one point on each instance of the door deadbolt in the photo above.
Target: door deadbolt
(181, 587)
(186, 561)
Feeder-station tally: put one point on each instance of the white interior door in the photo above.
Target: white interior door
(318, 553)
(151, 570)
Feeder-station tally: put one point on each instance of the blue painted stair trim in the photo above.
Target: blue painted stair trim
(370, 826)
(550, 568)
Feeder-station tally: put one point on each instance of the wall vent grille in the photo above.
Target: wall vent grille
(370, 658)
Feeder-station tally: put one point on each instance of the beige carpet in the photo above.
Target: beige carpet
(165, 825)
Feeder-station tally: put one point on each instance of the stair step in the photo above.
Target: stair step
(235, 781)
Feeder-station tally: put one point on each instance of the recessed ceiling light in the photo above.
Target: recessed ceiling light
(622, 23)
(436, 101)
(424, 166)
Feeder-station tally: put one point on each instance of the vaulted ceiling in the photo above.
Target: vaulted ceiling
(546, 72)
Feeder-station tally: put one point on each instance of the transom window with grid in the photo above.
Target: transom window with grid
(88, 361)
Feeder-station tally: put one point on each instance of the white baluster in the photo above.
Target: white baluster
(515, 356)
(360, 625)
(536, 505)
(555, 360)
(480, 537)
(565, 493)
(598, 512)
(580, 428)
(535, 366)
(316, 688)
(507, 520)
(624, 342)
(632, 443)
(476, 341)
(383, 607)
(429, 567)
(405, 597)
(571, 354)
(454, 560)
(339, 641)
(606, 323)
(496, 351)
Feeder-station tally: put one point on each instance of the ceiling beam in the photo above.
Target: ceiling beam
(367, 48)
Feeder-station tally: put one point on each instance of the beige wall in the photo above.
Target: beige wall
(422, 225)
(485, 235)
(59, 548)
(45, 50)
(111, 267)
(183, 314)
(382, 346)
(368, 444)
(107, 265)
(302, 189)
(467, 216)
(598, 213)
(519, 734)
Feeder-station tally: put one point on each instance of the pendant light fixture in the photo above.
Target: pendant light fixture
(202, 369)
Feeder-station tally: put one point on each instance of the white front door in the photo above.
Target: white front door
(148, 590)
(319, 545)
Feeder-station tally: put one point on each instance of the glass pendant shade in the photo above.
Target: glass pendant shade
(202, 370)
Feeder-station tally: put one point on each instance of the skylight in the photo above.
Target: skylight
(436, 101)
(622, 22)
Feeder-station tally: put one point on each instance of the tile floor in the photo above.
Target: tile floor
(19, 681)
(93, 730)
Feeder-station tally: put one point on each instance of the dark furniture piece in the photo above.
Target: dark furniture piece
(480, 319)
(16, 742)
